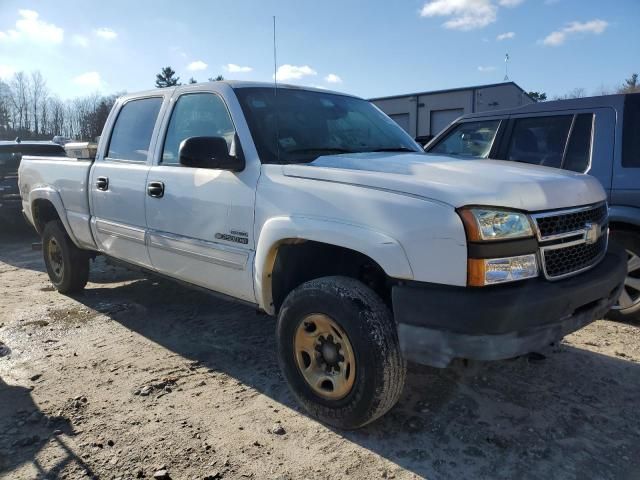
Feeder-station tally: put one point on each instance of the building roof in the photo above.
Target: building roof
(448, 90)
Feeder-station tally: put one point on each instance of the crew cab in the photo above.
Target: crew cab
(599, 136)
(315, 207)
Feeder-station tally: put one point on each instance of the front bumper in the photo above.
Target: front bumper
(437, 323)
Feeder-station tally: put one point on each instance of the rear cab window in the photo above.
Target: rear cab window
(469, 139)
(631, 132)
(131, 134)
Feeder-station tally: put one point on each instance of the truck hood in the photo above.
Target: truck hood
(455, 181)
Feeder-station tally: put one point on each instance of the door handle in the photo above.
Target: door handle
(102, 183)
(155, 189)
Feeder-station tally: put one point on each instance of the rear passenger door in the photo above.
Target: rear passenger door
(118, 181)
(577, 140)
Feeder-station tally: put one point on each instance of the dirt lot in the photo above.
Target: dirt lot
(138, 375)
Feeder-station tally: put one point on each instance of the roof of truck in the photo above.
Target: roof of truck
(232, 84)
(614, 101)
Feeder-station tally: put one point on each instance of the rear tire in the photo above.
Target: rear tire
(627, 309)
(67, 265)
(359, 330)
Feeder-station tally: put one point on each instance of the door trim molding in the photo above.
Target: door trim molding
(202, 250)
(120, 230)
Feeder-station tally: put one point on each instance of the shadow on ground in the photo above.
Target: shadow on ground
(571, 415)
(25, 430)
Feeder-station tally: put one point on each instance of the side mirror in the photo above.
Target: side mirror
(211, 152)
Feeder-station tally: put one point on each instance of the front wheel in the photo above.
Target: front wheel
(627, 308)
(338, 349)
(67, 265)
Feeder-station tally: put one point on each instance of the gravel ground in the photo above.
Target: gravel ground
(139, 377)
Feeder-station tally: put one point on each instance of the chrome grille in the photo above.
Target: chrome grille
(572, 241)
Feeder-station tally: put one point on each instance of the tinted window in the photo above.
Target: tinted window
(10, 155)
(131, 134)
(579, 148)
(540, 140)
(196, 115)
(470, 139)
(631, 131)
(300, 125)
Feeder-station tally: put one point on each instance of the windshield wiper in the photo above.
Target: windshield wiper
(319, 149)
(393, 149)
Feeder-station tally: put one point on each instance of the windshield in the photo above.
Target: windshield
(469, 139)
(293, 126)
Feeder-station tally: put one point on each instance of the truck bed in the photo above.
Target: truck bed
(63, 181)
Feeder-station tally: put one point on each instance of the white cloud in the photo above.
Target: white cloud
(89, 80)
(595, 27)
(505, 36)
(332, 78)
(233, 68)
(294, 72)
(486, 69)
(465, 14)
(30, 28)
(105, 33)
(6, 71)
(80, 41)
(510, 3)
(196, 66)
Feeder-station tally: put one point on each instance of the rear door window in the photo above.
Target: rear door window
(631, 132)
(469, 139)
(132, 131)
(540, 140)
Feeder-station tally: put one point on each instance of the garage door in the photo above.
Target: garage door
(401, 119)
(441, 118)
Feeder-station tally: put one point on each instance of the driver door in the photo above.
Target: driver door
(200, 228)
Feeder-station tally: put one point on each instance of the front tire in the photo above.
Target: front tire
(67, 265)
(338, 349)
(627, 308)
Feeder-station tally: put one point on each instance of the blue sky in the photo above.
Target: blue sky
(371, 48)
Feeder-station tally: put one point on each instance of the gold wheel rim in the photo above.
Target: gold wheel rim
(324, 356)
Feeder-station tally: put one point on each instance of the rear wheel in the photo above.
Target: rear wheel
(338, 349)
(627, 307)
(67, 265)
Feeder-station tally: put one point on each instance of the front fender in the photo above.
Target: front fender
(380, 247)
(624, 214)
(51, 195)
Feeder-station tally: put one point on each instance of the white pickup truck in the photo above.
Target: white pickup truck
(317, 208)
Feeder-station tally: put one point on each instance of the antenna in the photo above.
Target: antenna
(275, 59)
(275, 90)
(506, 66)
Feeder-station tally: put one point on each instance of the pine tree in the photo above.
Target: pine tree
(166, 78)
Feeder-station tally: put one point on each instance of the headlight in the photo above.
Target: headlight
(484, 224)
(489, 271)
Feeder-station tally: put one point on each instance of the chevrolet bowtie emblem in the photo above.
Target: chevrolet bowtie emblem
(592, 233)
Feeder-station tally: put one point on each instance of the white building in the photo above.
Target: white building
(425, 114)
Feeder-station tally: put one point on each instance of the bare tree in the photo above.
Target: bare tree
(38, 95)
(578, 92)
(20, 101)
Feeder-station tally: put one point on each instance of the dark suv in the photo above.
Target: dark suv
(10, 155)
(599, 136)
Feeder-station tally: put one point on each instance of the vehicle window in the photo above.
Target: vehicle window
(540, 140)
(196, 115)
(469, 139)
(579, 149)
(631, 132)
(297, 126)
(132, 131)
